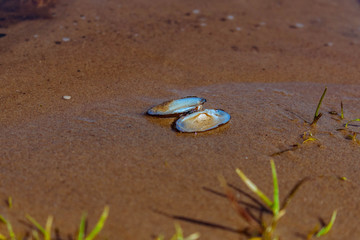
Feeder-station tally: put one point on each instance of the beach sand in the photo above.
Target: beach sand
(264, 62)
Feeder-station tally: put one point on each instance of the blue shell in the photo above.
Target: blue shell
(176, 107)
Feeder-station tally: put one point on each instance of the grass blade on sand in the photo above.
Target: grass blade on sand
(45, 231)
(354, 120)
(342, 110)
(178, 234)
(100, 224)
(48, 224)
(317, 114)
(82, 227)
(254, 188)
(9, 227)
(328, 227)
(276, 204)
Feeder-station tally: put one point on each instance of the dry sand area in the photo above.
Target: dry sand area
(266, 62)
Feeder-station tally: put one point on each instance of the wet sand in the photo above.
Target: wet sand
(63, 157)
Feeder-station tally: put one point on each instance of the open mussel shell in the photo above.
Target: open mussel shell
(202, 120)
(177, 107)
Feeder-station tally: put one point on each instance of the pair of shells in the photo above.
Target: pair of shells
(192, 117)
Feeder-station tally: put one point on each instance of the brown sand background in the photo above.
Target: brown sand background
(63, 157)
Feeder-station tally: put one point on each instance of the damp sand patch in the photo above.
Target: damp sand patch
(125, 157)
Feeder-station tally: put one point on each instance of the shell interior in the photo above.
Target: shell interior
(202, 120)
(173, 107)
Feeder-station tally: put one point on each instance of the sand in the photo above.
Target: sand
(265, 63)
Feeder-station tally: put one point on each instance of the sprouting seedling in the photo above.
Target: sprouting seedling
(318, 115)
(9, 228)
(324, 230)
(98, 227)
(46, 232)
(354, 120)
(342, 111)
(179, 235)
(315, 232)
(273, 204)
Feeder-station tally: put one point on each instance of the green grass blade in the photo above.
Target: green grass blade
(9, 227)
(178, 233)
(35, 235)
(354, 120)
(342, 110)
(36, 224)
(99, 225)
(319, 104)
(254, 188)
(327, 228)
(9, 202)
(276, 203)
(316, 119)
(48, 224)
(82, 227)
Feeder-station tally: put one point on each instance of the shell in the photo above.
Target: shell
(202, 121)
(178, 106)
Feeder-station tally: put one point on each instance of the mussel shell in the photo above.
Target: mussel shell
(177, 107)
(202, 120)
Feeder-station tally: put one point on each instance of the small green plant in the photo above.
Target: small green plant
(324, 230)
(98, 227)
(318, 115)
(342, 110)
(9, 228)
(46, 231)
(179, 235)
(268, 230)
(274, 205)
(354, 120)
